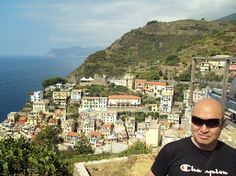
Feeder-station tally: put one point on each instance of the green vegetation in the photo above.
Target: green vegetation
(184, 76)
(172, 60)
(72, 157)
(139, 116)
(49, 137)
(212, 76)
(179, 92)
(142, 50)
(103, 91)
(53, 81)
(22, 157)
(137, 148)
(83, 146)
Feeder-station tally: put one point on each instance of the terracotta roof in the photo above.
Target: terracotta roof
(22, 119)
(157, 83)
(232, 67)
(95, 133)
(123, 97)
(106, 125)
(72, 134)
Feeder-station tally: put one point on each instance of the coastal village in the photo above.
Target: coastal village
(108, 122)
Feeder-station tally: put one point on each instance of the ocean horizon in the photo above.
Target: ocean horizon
(22, 75)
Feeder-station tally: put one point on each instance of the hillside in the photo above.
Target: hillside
(160, 46)
(228, 18)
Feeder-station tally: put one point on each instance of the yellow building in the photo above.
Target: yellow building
(153, 134)
(60, 97)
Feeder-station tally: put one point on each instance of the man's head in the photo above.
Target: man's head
(207, 123)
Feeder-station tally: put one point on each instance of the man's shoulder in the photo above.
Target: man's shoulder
(180, 143)
(225, 147)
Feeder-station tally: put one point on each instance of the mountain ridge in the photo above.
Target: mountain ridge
(170, 45)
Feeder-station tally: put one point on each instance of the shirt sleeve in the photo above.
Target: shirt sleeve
(161, 163)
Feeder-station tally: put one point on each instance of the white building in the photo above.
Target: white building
(119, 128)
(167, 99)
(127, 81)
(141, 129)
(60, 97)
(93, 104)
(197, 95)
(155, 88)
(107, 116)
(174, 117)
(75, 95)
(204, 66)
(37, 96)
(130, 126)
(124, 101)
(40, 106)
(34, 117)
(88, 126)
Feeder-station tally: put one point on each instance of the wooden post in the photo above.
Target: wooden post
(192, 81)
(225, 82)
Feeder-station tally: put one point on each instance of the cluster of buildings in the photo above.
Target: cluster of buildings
(77, 113)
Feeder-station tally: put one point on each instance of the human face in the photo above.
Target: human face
(204, 134)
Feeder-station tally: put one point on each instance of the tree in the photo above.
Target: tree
(211, 76)
(53, 81)
(22, 157)
(184, 76)
(179, 92)
(49, 136)
(120, 88)
(171, 60)
(83, 146)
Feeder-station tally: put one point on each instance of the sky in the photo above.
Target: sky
(33, 27)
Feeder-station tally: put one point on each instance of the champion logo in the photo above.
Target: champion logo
(185, 167)
(189, 168)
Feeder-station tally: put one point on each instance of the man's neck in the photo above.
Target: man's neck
(209, 147)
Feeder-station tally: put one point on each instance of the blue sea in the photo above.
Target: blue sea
(20, 76)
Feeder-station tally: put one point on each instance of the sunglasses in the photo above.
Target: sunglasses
(210, 123)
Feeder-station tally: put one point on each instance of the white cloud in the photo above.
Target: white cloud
(99, 22)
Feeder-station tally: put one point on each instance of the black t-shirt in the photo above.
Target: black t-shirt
(182, 158)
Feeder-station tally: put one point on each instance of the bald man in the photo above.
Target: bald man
(202, 153)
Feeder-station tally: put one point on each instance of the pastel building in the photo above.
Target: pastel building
(130, 125)
(166, 102)
(197, 95)
(153, 134)
(124, 101)
(40, 106)
(60, 97)
(139, 84)
(34, 117)
(155, 88)
(37, 96)
(88, 126)
(126, 81)
(75, 95)
(11, 116)
(107, 116)
(93, 103)
(119, 130)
